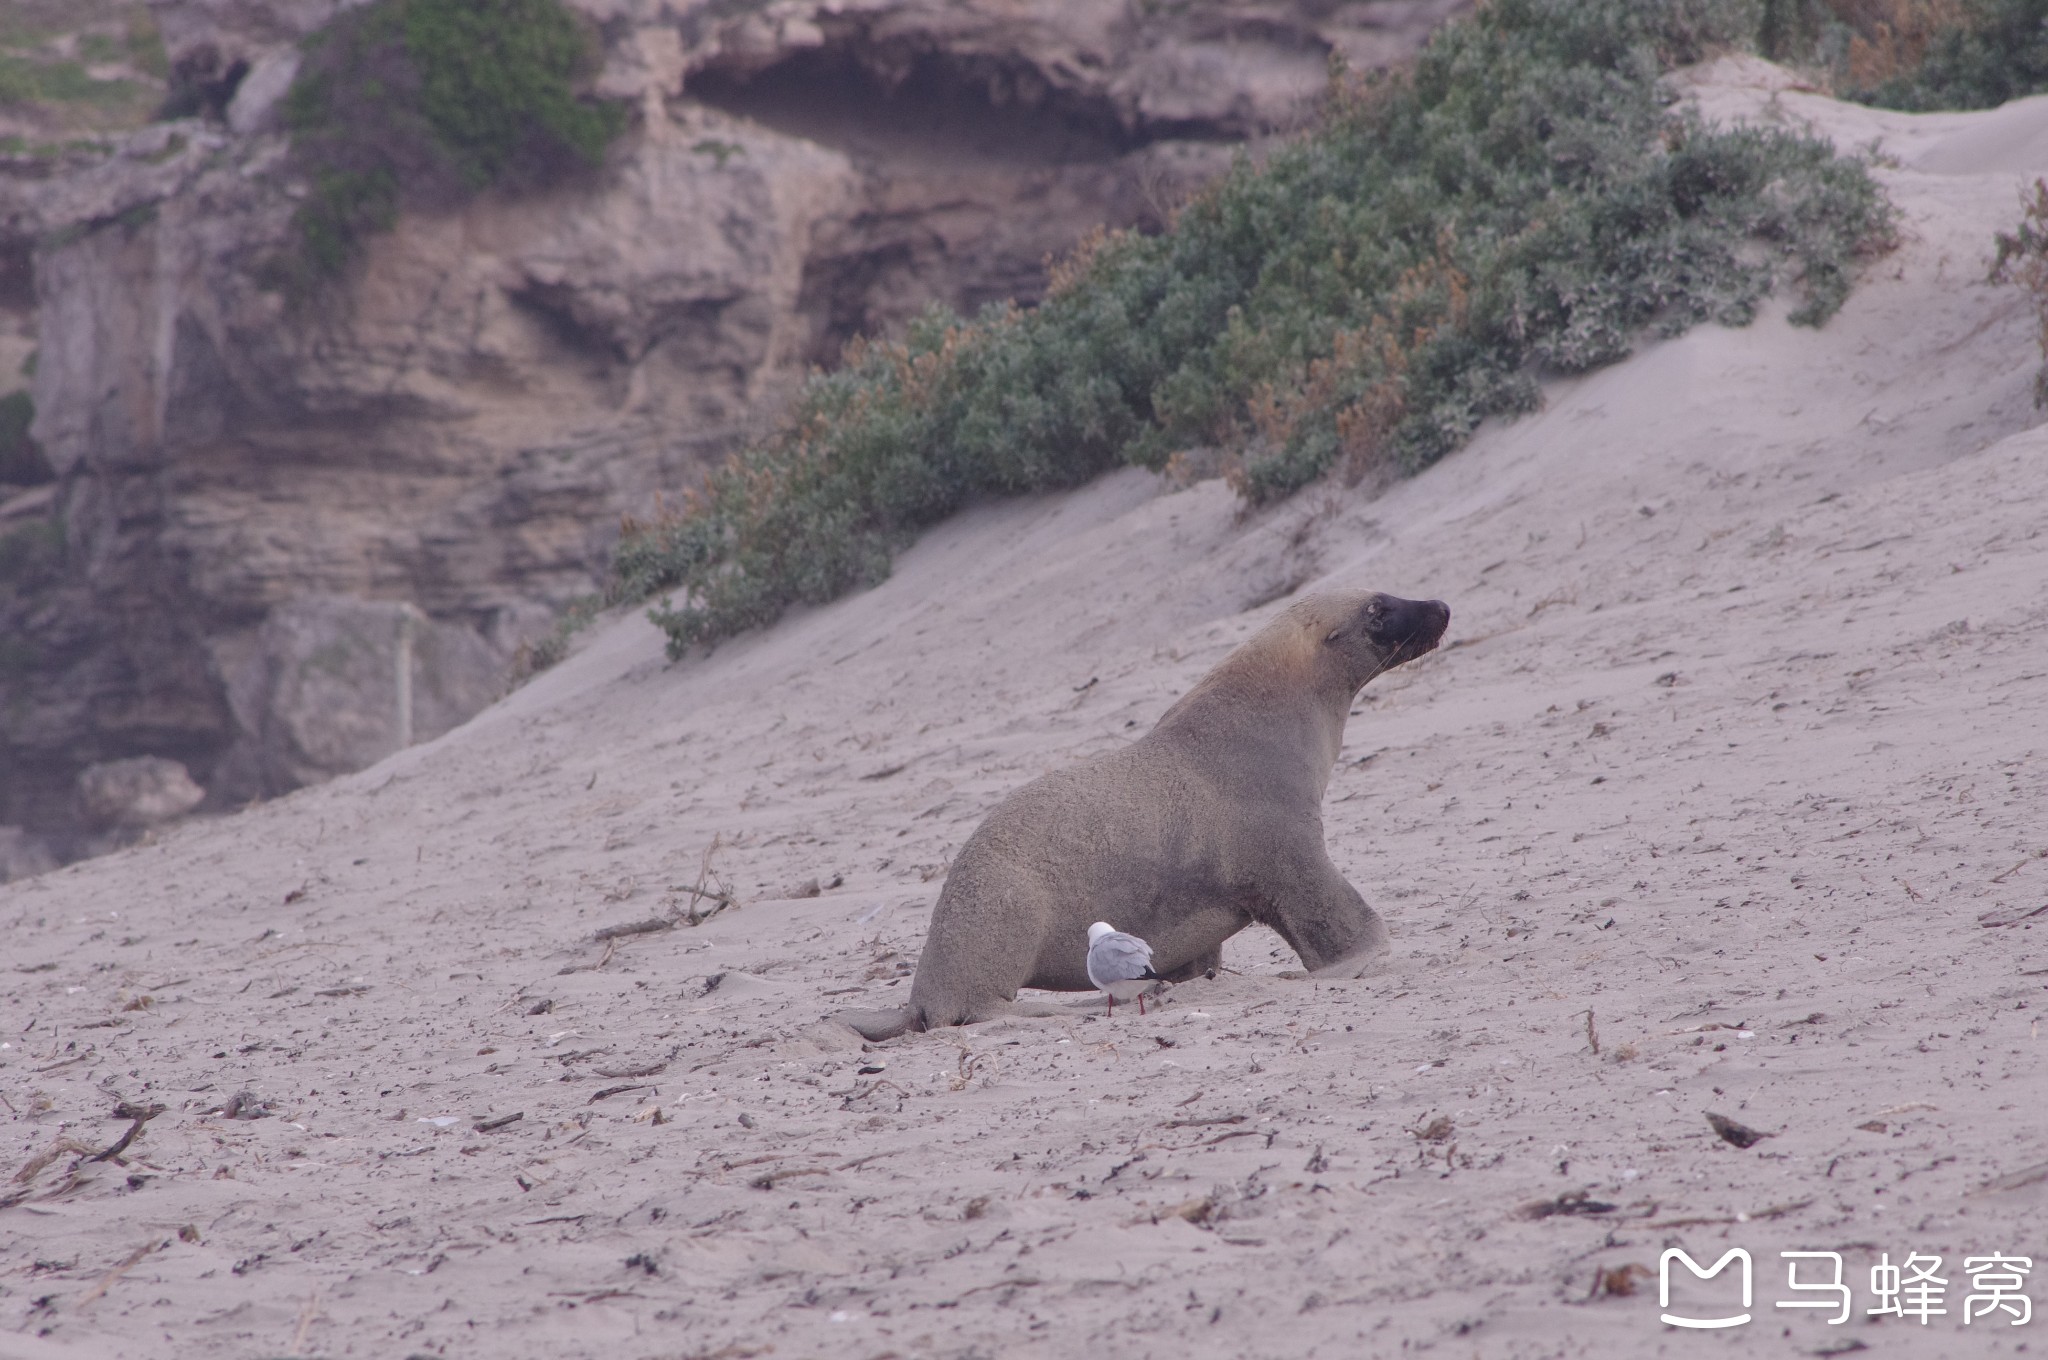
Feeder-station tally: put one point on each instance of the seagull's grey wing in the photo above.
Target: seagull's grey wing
(1118, 957)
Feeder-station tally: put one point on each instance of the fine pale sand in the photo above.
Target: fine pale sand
(1733, 761)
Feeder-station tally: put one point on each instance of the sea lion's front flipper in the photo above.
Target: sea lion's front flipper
(1319, 913)
(876, 1026)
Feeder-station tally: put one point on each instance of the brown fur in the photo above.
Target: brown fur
(1209, 822)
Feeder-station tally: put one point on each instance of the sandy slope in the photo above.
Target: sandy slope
(1739, 746)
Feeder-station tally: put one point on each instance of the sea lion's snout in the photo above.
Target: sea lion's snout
(1407, 628)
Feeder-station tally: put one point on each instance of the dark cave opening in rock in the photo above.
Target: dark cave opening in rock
(884, 106)
(975, 172)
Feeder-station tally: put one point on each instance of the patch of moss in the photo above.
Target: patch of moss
(23, 81)
(145, 45)
(31, 552)
(100, 48)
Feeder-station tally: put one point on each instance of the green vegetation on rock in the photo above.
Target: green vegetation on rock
(64, 82)
(74, 66)
(1524, 201)
(31, 552)
(424, 101)
(21, 459)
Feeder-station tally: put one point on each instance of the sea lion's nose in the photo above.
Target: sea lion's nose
(1415, 622)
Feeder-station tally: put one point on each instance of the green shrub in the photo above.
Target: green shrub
(1997, 51)
(420, 102)
(1523, 202)
(534, 657)
(1914, 54)
(2022, 260)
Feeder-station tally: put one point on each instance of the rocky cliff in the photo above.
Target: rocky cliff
(270, 543)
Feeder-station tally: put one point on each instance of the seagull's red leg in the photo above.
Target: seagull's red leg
(1141, 1003)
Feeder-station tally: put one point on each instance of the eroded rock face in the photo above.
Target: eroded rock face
(331, 683)
(436, 458)
(139, 791)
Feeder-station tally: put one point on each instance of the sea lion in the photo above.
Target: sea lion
(1209, 822)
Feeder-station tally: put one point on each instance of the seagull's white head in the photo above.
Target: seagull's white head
(1100, 929)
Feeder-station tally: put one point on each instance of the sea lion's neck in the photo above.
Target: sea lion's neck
(1256, 700)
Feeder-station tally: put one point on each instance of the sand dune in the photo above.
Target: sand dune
(1726, 794)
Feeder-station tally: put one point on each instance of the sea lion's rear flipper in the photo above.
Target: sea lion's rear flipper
(878, 1025)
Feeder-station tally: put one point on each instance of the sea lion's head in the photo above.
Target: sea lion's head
(1365, 633)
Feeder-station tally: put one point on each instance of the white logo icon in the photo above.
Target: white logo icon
(1664, 1285)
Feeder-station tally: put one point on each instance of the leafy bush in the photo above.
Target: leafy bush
(1915, 54)
(1999, 51)
(534, 657)
(2023, 261)
(425, 101)
(1522, 202)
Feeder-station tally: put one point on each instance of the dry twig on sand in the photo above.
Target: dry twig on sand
(1708, 1220)
(647, 927)
(107, 1280)
(306, 1316)
(141, 1114)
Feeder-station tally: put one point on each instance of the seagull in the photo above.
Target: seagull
(1119, 965)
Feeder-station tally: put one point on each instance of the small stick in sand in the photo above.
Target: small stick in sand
(626, 1073)
(35, 1165)
(610, 1091)
(1592, 1036)
(306, 1316)
(648, 927)
(107, 1280)
(141, 1114)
